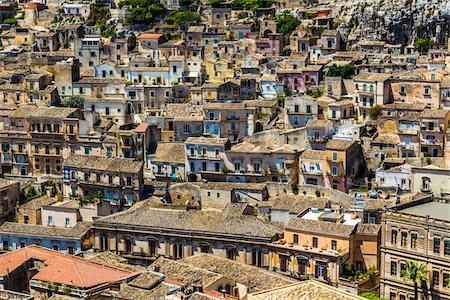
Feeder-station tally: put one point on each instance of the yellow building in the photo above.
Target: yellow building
(320, 243)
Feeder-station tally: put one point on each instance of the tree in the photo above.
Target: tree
(424, 44)
(215, 3)
(10, 21)
(74, 102)
(372, 296)
(252, 4)
(142, 11)
(417, 273)
(286, 23)
(375, 112)
(183, 18)
(344, 71)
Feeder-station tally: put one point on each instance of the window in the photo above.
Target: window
(402, 269)
(296, 239)
(50, 221)
(402, 90)
(5, 245)
(56, 247)
(404, 236)
(296, 108)
(334, 170)
(435, 281)
(426, 90)
(314, 242)
(308, 109)
(26, 219)
(437, 245)
(87, 150)
(152, 247)
(394, 237)
(204, 249)
(97, 177)
(231, 253)
(392, 296)
(333, 245)
(447, 248)
(335, 156)
(446, 280)
(283, 263)
(71, 250)
(129, 181)
(393, 268)
(67, 222)
(413, 240)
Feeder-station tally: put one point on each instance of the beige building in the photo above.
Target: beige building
(35, 140)
(145, 232)
(30, 212)
(431, 179)
(9, 194)
(418, 231)
(318, 244)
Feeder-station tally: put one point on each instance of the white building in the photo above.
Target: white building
(396, 177)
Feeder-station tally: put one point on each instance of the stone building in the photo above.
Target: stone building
(144, 232)
(417, 231)
(120, 180)
(9, 194)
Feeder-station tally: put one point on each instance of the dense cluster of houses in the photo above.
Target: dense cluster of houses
(218, 159)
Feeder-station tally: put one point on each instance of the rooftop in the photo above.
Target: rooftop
(76, 232)
(213, 222)
(306, 290)
(256, 279)
(62, 268)
(100, 163)
(433, 209)
(170, 153)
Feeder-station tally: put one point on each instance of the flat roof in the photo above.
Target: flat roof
(436, 210)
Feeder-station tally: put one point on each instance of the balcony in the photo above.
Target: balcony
(311, 172)
(430, 142)
(233, 118)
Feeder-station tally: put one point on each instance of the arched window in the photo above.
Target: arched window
(152, 245)
(128, 246)
(47, 170)
(231, 252)
(177, 250)
(228, 289)
(23, 171)
(103, 243)
(257, 258)
(129, 108)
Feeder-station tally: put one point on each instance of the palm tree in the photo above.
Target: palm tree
(417, 273)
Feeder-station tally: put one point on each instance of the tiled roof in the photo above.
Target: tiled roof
(38, 202)
(320, 227)
(313, 154)
(100, 163)
(170, 153)
(206, 141)
(306, 290)
(185, 272)
(62, 268)
(149, 36)
(113, 260)
(338, 144)
(372, 76)
(76, 232)
(213, 222)
(434, 113)
(318, 123)
(299, 203)
(147, 280)
(256, 279)
(228, 186)
(43, 112)
(370, 229)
